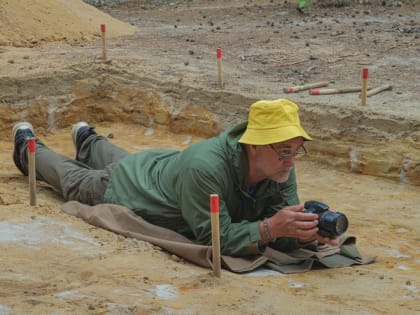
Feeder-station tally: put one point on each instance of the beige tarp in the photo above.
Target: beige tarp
(123, 221)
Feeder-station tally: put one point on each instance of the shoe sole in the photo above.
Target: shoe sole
(21, 126)
(75, 130)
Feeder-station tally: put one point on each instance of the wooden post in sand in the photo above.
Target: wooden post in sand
(219, 66)
(334, 91)
(103, 31)
(363, 93)
(215, 234)
(379, 89)
(304, 87)
(31, 170)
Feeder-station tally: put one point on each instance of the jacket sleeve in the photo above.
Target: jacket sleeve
(236, 239)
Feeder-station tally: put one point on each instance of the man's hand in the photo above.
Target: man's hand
(291, 221)
(327, 240)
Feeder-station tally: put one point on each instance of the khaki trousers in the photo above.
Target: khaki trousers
(83, 179)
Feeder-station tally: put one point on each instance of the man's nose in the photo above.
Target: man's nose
(289, 161)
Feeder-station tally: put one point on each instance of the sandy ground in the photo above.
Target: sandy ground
(52, 263)
(32, 23)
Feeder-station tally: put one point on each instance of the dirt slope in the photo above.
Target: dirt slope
(32, 22)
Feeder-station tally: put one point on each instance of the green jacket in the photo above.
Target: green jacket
(171, 189)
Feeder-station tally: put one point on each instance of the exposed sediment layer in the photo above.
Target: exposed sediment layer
(351, 139)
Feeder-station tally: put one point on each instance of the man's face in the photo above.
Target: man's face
(275, 161)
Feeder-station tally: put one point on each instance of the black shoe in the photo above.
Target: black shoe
(21, 132)
(80, 132)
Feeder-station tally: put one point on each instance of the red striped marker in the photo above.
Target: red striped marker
(334, 91)
(363, 94)
(31, 142)
(215, 234)
(219, 66)
(103, 32)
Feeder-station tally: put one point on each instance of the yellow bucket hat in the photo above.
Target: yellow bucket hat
(272, 122)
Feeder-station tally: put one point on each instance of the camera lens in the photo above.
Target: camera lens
(341, 224)
(332, 224)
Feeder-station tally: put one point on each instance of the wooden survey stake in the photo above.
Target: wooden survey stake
(363, 93)
(215, 234)
(334, 91)
(219, 66)
(304, 87)
(378, 89)
(32, 170)
(103, 32)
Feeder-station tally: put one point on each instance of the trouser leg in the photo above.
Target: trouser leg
(72, 179)
(98, 153)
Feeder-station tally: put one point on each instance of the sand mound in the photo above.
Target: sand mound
(33, 22)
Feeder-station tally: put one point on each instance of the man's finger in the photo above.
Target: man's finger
(306, 225)
(330, 241)
(294, 208)
(302, 216)
(306, 234)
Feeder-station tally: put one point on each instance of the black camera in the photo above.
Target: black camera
(330, 224)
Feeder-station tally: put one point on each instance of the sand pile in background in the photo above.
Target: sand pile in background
(27, 23)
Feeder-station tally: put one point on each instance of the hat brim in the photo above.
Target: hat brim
(273, 135)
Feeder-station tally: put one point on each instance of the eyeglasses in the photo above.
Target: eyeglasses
(285, 155)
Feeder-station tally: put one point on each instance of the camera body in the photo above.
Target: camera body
(330, 224)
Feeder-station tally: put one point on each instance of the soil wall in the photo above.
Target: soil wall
(352, 139)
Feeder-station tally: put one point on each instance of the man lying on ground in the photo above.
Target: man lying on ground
(250, 166)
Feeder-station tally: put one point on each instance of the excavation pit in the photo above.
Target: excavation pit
(159, 90)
